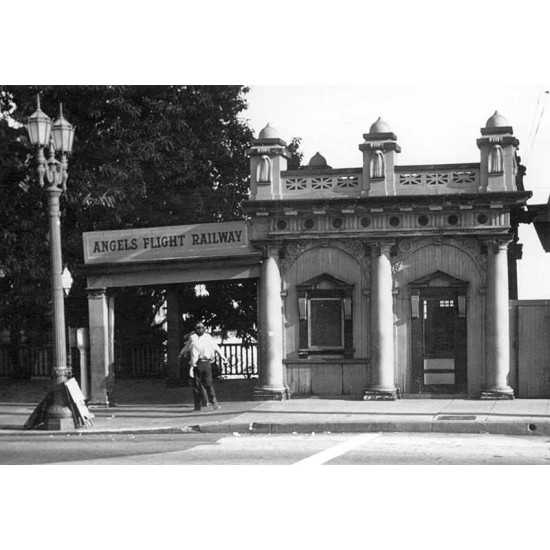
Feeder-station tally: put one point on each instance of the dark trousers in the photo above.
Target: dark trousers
(203, 385)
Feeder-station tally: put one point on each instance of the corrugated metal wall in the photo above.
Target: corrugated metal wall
(530, 347)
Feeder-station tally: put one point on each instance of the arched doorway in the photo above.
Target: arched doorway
(438, 325)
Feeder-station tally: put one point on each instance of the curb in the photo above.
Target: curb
(496, 427)
(108, 431)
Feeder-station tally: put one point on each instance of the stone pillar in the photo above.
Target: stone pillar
(498, 324)
(174, 335)
(83, 345)
(271, 367)
(100, 378)
(382, 382)
(111, 336)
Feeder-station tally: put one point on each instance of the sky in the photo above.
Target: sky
(433, 124)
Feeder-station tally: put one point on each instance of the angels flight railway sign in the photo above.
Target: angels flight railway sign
(166, 243)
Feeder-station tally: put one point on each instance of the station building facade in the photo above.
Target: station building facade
(386, 280)
(378, 281)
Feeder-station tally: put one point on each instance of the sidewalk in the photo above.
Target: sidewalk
(147, 406)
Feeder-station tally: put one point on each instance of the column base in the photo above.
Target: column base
(270, 393)
(53, 412)
(500, 393)
(56, 423)
(374, 394)
(105, 403)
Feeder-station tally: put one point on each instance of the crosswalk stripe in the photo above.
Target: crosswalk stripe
(337, 450)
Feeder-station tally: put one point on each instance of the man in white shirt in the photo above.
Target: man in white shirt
(203, 350)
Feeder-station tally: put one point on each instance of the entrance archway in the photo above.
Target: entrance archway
(164, 257)
(438, 326)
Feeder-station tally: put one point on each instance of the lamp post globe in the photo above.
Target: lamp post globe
(67, 280)
(39, 126)
(63, 133)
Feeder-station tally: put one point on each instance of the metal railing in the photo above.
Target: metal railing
(26, 361)
(140, 360)
(243, 360)
(149, 360)
(132, 360)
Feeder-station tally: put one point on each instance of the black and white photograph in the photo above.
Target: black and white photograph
(260, 263)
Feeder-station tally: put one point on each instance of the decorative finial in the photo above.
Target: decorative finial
(60, 110)
(38, 102)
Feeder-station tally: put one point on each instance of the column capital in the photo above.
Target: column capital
(381, 246)
(96, 293)
(269, 248)
(497, 244)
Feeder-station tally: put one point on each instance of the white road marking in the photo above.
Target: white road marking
(337, 450)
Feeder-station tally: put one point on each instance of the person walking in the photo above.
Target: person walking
(203, 350)
(184, 357)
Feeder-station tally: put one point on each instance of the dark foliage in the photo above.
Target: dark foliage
(143, 156)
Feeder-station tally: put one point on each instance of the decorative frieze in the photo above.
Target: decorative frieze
(352, 220)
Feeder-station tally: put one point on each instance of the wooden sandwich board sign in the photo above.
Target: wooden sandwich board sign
(72, 398)
(77, 402)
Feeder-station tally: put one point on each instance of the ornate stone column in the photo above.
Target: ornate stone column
(498, 323)
(100, 376)
(271, 367)
(382, 382)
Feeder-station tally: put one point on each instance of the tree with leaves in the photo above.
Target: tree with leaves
(143, 156)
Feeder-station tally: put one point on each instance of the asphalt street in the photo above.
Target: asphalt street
(293, 449)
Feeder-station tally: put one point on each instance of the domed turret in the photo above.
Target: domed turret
(318, 161)
(498, 152)
(379, 150)
(380, 127)
(268, 158)
(496, 121)
(269, 132)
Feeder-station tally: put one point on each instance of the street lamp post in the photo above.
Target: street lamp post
(53, 174)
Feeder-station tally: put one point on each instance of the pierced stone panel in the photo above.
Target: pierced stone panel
(410, 179)
(464, 177)
(438, 179)
(347, 182)
(456, 181)
(295, 184)
(322, 183)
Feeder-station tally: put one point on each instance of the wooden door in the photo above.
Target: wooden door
(439, 342)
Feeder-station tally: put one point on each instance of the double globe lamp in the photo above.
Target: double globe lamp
(57, 138)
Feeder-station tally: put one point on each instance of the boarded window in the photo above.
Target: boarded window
(326, 323)
(325, 316)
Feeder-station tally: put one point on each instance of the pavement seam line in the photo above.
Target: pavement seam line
(337, 450)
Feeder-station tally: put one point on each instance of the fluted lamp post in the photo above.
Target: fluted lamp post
(53, 174)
